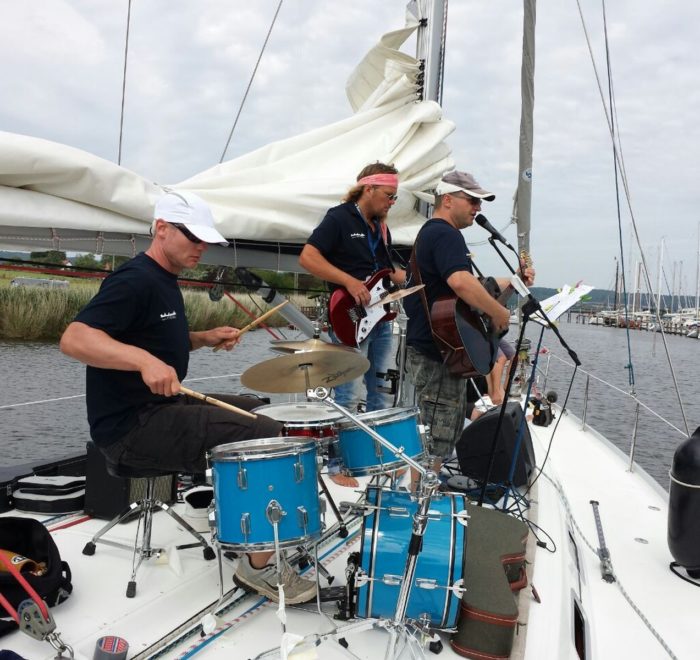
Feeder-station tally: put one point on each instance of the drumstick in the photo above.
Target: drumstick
(216, 402)
(252, 324)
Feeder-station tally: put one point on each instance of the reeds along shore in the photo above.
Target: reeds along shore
(35, 314)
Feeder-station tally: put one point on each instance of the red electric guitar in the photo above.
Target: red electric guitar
(351, 322)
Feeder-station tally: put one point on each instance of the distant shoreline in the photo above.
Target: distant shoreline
(42, 314)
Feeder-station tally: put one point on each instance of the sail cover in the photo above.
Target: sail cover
(56, 197)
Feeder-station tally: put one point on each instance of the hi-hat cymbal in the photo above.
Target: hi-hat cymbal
(285, 346)
(397, 295)
(288, 373)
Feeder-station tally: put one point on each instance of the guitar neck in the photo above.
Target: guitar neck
(525, 262)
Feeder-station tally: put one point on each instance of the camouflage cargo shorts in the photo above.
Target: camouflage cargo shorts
(442, 399)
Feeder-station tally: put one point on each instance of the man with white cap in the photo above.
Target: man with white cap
(443, 260)
(134, 338)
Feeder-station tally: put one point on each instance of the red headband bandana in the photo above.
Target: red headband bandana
(380, 180)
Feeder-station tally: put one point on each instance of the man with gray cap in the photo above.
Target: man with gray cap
(134, 338)
(443, 260)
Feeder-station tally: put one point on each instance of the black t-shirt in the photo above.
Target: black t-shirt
(139, 304)
(344, 239)
(440, 251)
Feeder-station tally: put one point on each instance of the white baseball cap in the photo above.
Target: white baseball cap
(186, 208)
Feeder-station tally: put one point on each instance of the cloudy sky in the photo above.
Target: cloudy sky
(190, 62)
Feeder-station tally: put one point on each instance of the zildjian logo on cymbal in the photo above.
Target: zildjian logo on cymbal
(330, 378)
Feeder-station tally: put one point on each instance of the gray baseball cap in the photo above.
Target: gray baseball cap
(465, 182)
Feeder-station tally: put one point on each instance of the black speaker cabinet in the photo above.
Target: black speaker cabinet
(106, 496)
(474, 447)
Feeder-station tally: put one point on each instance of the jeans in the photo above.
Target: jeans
(377, 348)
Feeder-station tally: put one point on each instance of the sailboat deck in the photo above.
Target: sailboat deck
(575, 603)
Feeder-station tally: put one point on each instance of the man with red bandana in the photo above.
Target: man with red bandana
(351, 243)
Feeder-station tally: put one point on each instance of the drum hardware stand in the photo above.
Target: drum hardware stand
(306, 558)
(331, 502)
(402, 387)
(392, 376)
(427, 489)
(343, 530)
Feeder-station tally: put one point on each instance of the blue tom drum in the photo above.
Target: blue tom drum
(386, 531)
(363, 455)
(258, 482)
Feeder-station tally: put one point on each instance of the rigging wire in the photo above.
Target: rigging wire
(615, 135)
(126, 54)
(250, 82)
(628, 198)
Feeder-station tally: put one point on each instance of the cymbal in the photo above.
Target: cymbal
(288, 373)
(285, 346)
(397, 295)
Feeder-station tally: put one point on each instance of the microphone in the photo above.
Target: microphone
(481, 220)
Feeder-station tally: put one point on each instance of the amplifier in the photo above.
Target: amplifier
(106, 496)
(474, 447)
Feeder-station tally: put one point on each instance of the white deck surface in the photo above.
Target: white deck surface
(633, 511)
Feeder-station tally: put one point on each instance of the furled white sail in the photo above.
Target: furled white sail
(55, 196)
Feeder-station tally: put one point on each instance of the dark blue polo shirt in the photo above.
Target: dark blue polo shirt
(345, 240)
(139, 304)
(440, 251)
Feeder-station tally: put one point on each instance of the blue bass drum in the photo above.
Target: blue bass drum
(386, 532)
(363, 455)
(259, 481)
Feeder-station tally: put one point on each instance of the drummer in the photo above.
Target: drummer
(134, 338)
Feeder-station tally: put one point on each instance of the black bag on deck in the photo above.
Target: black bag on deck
(29, 538)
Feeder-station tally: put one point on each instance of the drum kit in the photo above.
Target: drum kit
(266, 494)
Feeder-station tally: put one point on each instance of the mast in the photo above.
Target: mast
(430, 46)
(697, 281)
(523, 195)
(658, 291)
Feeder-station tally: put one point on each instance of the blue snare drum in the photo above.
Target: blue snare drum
(259, 481)
(363, 455)
(386, 533)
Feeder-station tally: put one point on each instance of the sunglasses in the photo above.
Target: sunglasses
(392, 196)
(188, 234)
(474, 201)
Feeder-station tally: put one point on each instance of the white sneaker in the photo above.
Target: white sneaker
(264, 581)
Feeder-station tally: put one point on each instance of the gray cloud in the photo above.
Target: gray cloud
(189, 65)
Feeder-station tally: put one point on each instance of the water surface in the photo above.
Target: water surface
(42, 408)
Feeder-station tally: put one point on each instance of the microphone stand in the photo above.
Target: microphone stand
(530, 306)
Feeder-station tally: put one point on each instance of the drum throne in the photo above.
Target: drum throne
(143, 509)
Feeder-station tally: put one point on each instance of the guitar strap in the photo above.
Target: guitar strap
(413, 261)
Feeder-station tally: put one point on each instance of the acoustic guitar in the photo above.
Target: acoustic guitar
(465, 336)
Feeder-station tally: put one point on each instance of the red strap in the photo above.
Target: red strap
(41, 604)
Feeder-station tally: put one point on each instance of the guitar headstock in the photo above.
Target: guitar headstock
(525, 259)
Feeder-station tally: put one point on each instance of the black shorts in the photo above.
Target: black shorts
(176, 436)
